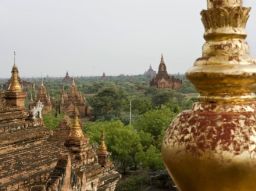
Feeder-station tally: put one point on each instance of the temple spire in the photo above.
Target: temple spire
(102, 151)
(14, 95)
(14, 57)
(42, 82)
(15, 85)
(162, 58)
(73, 82)
(103, 148)
(162, 66)
(76, 129)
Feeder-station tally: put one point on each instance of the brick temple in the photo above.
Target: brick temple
(74, 99)
(42, 96)
(163, 79)
(34, 159)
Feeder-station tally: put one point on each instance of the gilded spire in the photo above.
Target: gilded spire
(15, 85)
(73, 82)
(102, 148)
(216, 135)
(42, 82)
(225, 72)
(224, 3)
(76, 129)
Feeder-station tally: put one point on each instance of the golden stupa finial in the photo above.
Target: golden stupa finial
(225, 72)
(15, 85)
(73, 82)
(224, 3)
(225, 77)
(42, 82)
(76, 129)
(102, 147)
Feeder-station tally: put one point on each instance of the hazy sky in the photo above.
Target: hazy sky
(89, 37)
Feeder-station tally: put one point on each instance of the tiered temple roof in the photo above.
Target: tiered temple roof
(21, 140)
(85, 161)
(43, 97)
(163, 79)
(74, 98)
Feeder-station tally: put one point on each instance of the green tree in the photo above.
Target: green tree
(155, 122)
(123, 142)
(141, 104)
(108, 103)
(151, 158)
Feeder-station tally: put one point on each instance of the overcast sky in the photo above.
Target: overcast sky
(89, 37)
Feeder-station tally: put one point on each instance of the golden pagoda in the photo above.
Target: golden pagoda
(102, 148)
(212, 146)
(102, 151)
(76, 129)
(15, 85)
(14, 96)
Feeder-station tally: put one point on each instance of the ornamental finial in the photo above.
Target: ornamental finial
(76, 129)
(224, 3)
(15, 85)
(102, 148)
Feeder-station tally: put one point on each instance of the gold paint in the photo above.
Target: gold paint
(76, 129)
(225, 74)
(225, 68)
(102, 148)
(211, 172)
(14, 85)
(223, 3)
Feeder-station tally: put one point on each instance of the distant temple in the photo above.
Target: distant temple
(43, 97)
(150, 73)
(163, 79)
(103, 77)
(33, 159)
(67, 78)
(74, 99)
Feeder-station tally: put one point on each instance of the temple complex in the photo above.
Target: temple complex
(74, 98)
(34, 159)
(212, 146)
(43, 97)
(163, 79)
(150, 73)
